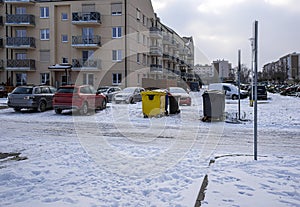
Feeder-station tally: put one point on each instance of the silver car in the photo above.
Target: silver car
(129, 95)
(109, 91)
(38, 98)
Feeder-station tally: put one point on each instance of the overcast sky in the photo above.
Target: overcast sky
(221, 27)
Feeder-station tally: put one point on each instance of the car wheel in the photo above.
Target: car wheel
(58, 111)
(234, 97)
(84, 109)
(42, 106)
(103, 105)
(17, 109)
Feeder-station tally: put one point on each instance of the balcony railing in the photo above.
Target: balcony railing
(20, 42)
(20, 20)
(89, 64)
(90, 42)
(155, 32)
(155, 68)
(18, 1)
(23, 65)
(155, 51)
(86, 18)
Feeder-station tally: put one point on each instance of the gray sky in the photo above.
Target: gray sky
(221, 27)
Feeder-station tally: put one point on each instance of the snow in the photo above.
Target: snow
(116, 157)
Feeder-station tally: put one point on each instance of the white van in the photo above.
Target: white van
(231, 91)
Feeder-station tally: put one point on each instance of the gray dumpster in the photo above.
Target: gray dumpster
(213, 105)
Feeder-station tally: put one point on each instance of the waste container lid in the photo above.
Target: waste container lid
(154, 92)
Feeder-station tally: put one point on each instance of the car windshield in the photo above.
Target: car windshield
(67, 90)
(102, 90)
(177, 90)
(129, 90)
(23, 90)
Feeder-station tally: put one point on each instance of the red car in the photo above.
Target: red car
(80, 98)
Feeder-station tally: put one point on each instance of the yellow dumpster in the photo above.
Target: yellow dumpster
(154, 103)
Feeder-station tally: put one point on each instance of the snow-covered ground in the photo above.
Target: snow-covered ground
(118, 158)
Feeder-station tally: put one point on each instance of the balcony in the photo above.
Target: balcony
(20, 65)
(20, 42)
(167, 40)
(155, 51)
(83, 18)
(155, 33)
(155, 68)
(86, 42)
(20, 20)
(19, 1)
(166, 57)
(88, 65)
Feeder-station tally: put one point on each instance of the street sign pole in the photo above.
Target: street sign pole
(255, 87)
(239, 83)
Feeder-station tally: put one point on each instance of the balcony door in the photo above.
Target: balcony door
(20, 10)
(21, 33)
(87, 54)
(87, 35)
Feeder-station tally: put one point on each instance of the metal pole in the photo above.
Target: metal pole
(255, 88)
(239, 83)
(125, 36)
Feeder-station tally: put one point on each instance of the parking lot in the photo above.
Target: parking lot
(117, 157)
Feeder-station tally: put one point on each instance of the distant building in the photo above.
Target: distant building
(204, 71)
(286, 68)
(223, 68)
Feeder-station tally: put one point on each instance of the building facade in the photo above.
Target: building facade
(286, 68)
(107, 42)
(224, 69)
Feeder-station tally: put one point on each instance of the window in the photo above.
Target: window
(21, 56)
(87, 54)
(116, 78)
(45, 55)
(64, 38)
(117, 55)
(138, 57)
(88, 78)
(44, 34)
(21, 79)
(116, 32)
(20, 10)
(144, 20)
(116, 9)
(21, 33)
(144, 59)
(44, 12)
(138, 14)
(64, 16)
(45, 78)
(65, 60)
(87, 8)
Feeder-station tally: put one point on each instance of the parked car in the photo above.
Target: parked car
(109, 91)
(129, 95)
(184, 97)
(3, 91)
(231, 91)
(80, 98)
(31, 97)
(261, 93)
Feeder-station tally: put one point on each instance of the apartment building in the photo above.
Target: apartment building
(107, 42)
(286, 68)
(223, 68)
